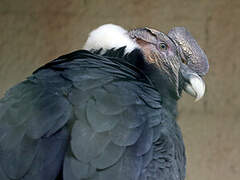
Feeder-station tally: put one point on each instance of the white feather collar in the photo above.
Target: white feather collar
(110, 36)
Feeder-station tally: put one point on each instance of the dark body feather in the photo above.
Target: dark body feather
(90, 116)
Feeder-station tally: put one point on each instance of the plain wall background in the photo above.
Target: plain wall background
(34, 32)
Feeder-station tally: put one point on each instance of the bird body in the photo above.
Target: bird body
(96, 114)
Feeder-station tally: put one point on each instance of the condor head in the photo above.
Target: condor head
(173, 61)
(179, 59)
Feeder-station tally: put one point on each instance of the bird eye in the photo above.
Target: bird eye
(163, 46)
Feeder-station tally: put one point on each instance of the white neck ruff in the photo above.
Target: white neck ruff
(110, 36)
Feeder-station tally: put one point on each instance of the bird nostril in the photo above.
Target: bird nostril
(184, 61)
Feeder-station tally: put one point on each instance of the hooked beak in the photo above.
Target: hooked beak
(195, 62)
(193, 83)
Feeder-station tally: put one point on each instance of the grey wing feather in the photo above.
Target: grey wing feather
(114, 140)
(118, 126)
(49, 157)
(32, 115)
(115, 122)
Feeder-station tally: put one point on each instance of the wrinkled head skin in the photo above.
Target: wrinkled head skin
(177, 56)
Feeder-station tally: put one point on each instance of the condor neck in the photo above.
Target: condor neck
(164, 87)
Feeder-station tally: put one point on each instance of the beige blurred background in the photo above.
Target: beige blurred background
(34, 32)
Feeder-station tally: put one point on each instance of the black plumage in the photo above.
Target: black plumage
(90, 116)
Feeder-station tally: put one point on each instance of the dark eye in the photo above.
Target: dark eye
(163, 46)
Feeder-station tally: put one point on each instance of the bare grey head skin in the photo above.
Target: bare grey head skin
(177, 56)
(191, 53)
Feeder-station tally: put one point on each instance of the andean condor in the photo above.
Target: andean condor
(104, 113)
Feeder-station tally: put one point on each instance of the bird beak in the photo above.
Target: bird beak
(193, 83)
(195, 62)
